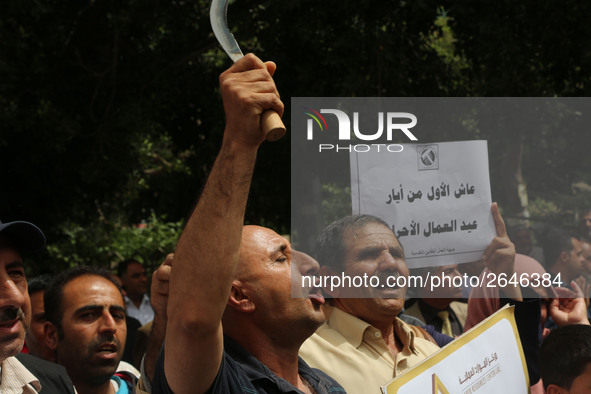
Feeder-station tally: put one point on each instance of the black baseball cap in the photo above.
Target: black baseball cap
(25, 236)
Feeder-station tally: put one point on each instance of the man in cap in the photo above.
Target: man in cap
(15, 305)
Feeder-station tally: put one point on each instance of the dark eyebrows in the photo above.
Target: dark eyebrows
(93, 308)
(88, 308)
(397, 251)
(368, 251)
(117, 308)
(280, 249)
(15, 264)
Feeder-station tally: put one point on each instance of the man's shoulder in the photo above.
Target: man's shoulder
(461, 310)
(231, 378)
(326, 345)
(53, 377)
(33, 363)
(320, 380)
(325, 333)
(341, 326)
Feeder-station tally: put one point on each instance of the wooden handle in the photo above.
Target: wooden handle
(272, 125)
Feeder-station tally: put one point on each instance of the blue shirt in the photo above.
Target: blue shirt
(123, 387)
(241, 372)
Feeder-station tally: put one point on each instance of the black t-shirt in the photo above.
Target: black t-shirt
(240, 372)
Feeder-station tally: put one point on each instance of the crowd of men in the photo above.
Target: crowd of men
(223, 317)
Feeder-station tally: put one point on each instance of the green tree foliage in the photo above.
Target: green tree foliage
(532, 49)
(106, 244)
(103, 109)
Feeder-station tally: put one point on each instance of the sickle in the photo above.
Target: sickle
(271, 123)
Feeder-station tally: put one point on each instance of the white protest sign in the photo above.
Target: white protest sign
(436, 198)
(488, 359)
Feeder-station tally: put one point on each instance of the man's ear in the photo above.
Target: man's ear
(326, 272)
(239, 300)
(564, 256)
(554, 389)
(51, 336)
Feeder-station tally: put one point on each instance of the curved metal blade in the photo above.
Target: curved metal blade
(219, 24)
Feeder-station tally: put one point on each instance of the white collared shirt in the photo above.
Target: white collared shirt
(144, 314)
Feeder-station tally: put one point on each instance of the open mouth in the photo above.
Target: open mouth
(107, 349)
(317, 298)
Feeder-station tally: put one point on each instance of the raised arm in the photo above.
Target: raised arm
(499, 256)
(159, 298)
(207, 252)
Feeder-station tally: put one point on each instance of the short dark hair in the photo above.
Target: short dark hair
(329, 249)
(564, 355)
(514, 230)
(39, 283)
(122, 266)
(54, 294)
(556, 241)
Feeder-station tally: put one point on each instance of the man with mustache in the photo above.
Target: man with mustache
(15, 305)
(364, 344)
(22, 373)
(86, 312)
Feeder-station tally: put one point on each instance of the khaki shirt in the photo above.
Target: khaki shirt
(16, 379)
(354, 353)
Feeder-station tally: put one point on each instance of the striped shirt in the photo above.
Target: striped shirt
(16, 379)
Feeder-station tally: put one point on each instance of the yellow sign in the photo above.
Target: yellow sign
(438, 387)
(488, 359)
